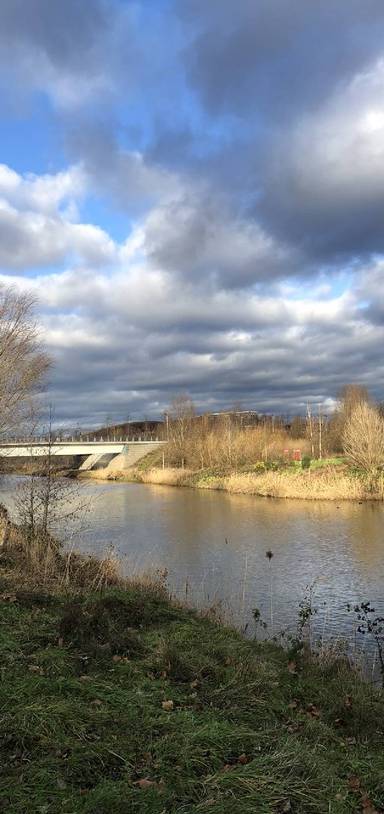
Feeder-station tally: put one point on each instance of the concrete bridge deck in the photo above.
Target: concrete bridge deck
(24, 449)
(123, 454)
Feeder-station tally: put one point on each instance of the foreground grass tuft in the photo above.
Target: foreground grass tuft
(119, 702)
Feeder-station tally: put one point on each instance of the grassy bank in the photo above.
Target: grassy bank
(332, 482)
(118, 701)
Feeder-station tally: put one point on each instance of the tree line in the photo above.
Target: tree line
(231, 440)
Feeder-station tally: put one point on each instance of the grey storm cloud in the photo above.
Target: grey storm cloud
(277, 58)
(65, 32)
(273, 374)
(198, 237)
(74, 51)
(268, 71)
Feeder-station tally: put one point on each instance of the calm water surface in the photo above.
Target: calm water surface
(213, 546)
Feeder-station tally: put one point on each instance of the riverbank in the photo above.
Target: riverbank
(323, 483)
(117, 700)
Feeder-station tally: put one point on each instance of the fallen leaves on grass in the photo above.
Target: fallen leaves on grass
(354, 783)
(145, 783)
(34, 668)
(168, 705)
(313, 711)
(368, 807)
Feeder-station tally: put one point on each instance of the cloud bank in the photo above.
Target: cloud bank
(209, 216)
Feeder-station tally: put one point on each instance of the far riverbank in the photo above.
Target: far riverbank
(337, 482)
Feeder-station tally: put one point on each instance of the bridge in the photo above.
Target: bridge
(123, 453)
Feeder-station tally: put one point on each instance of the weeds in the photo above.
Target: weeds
(373, 625)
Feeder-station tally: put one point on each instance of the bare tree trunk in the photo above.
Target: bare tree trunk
(310, 429)
(320, 433)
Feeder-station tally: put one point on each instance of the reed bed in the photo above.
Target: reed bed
(329, 485)
(168, 477)
(320, 484)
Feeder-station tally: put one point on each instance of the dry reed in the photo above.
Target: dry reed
(322, 484)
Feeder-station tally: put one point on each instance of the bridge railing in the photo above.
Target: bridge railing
(73, 440)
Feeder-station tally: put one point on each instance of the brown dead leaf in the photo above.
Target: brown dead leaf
(194, 684)
(167, 705)
(368, 807)
(97, 702)
(292, 667)
(145, 783)
(116, 659)
(313, 711)
(354, 783)
(85, 678)
(243, 759)
(293, 728)
(293, 705)
(34, 668)
(348, 701)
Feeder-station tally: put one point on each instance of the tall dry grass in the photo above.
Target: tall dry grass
(168, 476)
(304, 485)
(226, 445)
(46, 563)
(322, 484)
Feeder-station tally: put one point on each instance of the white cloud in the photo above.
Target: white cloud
(36, 226)
(41, 193)
(341, 147)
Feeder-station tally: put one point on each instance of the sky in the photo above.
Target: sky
(194, 192)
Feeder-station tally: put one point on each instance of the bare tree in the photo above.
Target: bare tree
(310, 429)
(22, 361)
(350, 397)
(46, 505)
(363, 438)
(179, 425)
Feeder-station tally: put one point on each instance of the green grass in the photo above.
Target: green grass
(318, 464)
(83, 728)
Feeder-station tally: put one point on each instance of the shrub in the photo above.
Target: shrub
(363, 438)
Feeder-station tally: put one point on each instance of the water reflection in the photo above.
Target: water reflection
(213, 545)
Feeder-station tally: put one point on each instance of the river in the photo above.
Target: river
(213, 546)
